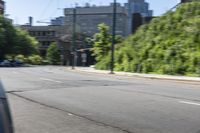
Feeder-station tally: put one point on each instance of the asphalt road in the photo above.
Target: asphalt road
(57, 100)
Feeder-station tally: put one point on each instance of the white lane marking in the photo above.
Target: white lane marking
(46, 79)
(190, 103)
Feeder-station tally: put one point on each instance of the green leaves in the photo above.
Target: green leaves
(102, 42)
(53, 54)
(14, 41)
(101, 46)
(170, 44)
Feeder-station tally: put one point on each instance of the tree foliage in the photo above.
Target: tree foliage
(53, 54)
(169, 44)
(14, 41)
(102, 42)
(102, 45)
(35, 60)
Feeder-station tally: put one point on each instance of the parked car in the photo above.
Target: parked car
(5, 63)
(6, 125)
(16, 63)
(12, 63)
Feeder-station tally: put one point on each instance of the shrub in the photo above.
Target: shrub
(53, 54)
(20, 58)
(170, 44)
(35, 60)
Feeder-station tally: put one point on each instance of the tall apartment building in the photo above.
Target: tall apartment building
(2, 7)
(89, 17)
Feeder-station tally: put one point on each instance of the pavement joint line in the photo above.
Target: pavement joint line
(161, 95)
(46, 79)
(190, 103)
(21, 91)
(72, 114)
(133, 91)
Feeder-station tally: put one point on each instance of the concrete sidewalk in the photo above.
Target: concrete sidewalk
(150, 76)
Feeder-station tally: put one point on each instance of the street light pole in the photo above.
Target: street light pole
(74, 38)
(113, 37)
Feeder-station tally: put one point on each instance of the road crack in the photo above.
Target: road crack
(80, 116)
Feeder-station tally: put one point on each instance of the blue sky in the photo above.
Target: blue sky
(44, 10)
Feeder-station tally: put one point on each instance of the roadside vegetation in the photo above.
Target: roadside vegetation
(102, 42)
(53, 54)
(169, 44)
(14, 41)
(17, 44)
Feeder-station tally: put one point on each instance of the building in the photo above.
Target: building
(139, 20)
(46, 35)
(89, 17)
(137, 6)
(65, 44)
(58, 21)
(183, 1)
(2, 7)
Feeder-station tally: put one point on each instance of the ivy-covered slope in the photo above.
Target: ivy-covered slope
(169, 44)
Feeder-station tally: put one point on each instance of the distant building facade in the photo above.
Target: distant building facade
(2, 7)
(89, 17)
(139, 20)
(46, 35)
(137, 6)
(58, 21)
(183, 1)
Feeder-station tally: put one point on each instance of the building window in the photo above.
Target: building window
(44, 33)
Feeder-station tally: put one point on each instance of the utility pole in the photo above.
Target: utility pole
(113, 37)
(74, 38)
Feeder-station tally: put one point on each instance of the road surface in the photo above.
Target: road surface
(57, 100)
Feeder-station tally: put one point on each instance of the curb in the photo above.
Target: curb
(148, 76)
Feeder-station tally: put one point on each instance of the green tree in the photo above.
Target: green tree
(53, 54)
(169, 44)
(6, 34)
(14, 41)
(101, 43)
(35, 60)
(24, 44)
